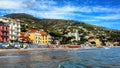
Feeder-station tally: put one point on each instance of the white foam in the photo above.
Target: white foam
(9, 56)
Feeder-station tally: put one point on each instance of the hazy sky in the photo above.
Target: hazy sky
(98, 12)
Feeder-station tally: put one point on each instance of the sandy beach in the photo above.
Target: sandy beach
(31, 49)
(40, 49)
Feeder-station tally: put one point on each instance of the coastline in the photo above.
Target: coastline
(32, 49)
(45, 49)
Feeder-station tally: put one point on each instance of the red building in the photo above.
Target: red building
(4, 32)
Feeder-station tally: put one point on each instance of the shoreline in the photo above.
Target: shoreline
(32, 49)
(45, 49)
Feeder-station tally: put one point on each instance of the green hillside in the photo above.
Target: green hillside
(64, 26)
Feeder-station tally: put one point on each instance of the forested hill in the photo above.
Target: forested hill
(64, 26)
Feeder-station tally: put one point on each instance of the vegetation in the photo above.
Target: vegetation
(56, 34)
(58, 28)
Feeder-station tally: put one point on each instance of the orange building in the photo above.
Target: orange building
(24, 37)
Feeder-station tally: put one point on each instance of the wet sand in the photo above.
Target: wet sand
(31, 49)
(41, 49)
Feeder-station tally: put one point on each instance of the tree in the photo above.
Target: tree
(56, 34)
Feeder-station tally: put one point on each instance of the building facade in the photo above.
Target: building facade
(93, 39)
(24, 38)
(75, 34)
(44, 38)
(14, 28)
(39, 37)
(4, 32)
(34, 36)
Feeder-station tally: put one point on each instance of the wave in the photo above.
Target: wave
(9, 56)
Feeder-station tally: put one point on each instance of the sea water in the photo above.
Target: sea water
(72, 58)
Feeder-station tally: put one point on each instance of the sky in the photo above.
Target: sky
(105, 13)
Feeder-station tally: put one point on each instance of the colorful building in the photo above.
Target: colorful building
(44, 38)
(93, 39)
(24, 37)
(39, 37)
(4, 32)
(33, 35)
(14, 28)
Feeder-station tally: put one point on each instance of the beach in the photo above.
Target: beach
(32, 49)
(45, 49)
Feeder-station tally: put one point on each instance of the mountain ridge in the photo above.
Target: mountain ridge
(65, 26)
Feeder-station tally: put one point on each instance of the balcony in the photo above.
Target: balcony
(18, 26)
(4, 35)
(12, 29)
(18, 31)
(13, 34)
(5, 30)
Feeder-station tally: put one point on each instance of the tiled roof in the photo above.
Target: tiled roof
(22, 34)
(43, 34)
(26, 37)
(32, 31)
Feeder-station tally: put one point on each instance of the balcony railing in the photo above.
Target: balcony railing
(13, 34)
(5, 30)
(5, 35)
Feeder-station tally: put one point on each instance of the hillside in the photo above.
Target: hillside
(65, 26)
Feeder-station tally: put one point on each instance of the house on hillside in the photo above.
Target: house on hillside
(94, 40)
(75, 34)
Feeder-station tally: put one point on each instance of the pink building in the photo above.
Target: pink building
(4, 33)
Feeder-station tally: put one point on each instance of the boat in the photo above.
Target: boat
(74, 46)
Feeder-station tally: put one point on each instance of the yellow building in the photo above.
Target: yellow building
(44, 38)
(92, 39)
(39, 37)
(33, 35)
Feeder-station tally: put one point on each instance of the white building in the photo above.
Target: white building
(14, 30)
(75, 34)
(14, 25)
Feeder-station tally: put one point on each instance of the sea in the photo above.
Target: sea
(70, 58)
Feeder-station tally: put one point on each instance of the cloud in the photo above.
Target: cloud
(10, 4)
(40, 4)
(51, 9)
(91, 20)
(99, 9)
(109, 17)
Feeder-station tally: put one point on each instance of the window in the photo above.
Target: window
(43, 37)
(13, 23)
(6, 27)
(2, 27)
